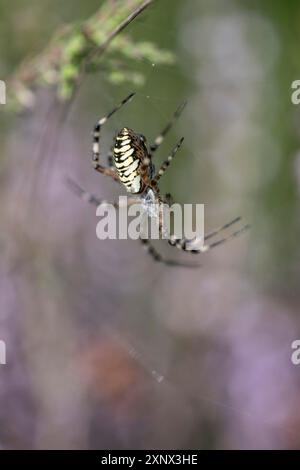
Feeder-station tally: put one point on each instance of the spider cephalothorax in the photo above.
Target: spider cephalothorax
(130, 163)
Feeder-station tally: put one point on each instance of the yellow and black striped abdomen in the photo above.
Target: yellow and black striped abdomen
(127, 161)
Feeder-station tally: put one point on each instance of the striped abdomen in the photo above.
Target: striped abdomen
(127, 161)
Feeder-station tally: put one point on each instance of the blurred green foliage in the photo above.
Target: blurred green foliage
(85, 47)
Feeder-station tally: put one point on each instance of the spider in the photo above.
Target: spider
(130, 164)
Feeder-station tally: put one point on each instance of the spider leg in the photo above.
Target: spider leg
(183, 243)
(223, 227)
(110, 159)
(168, 199)
(147, 179)
(96, 138)
(166, 163)
(160, 138)
(84, 195)
(91, 198)
(156, 256)
(110, 155)
(160, 259)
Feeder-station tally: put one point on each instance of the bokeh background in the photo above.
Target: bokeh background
(105, 348)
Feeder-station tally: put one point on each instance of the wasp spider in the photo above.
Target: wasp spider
(130, 164)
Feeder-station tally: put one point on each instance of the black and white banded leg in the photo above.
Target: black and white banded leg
(166, 163)
(96, 139)
(156, 256)
(91, 198)
(160, 138)
(185, 244)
